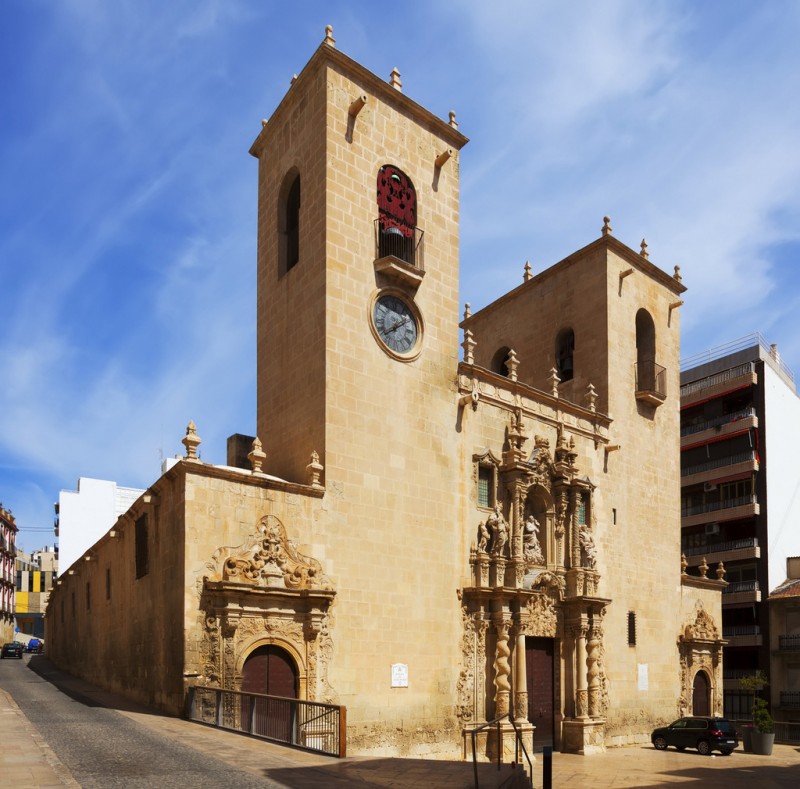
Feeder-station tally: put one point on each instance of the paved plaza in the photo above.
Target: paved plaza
(27, 761)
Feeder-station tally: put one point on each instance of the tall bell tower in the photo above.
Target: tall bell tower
(357, 355)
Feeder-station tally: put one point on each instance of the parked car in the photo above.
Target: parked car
(12, 649)
(705, 734)
(34, 645)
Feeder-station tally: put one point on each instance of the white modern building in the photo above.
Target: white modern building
(84, 515)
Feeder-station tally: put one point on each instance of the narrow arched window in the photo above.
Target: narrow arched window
(646, 371)
(565, 351)
(397, 214)
(500, 361)
(293, 224)
(288, 220)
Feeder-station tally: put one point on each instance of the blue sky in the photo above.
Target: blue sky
(128, 208)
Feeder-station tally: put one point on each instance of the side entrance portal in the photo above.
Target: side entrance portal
(269, 670)
(540, 675)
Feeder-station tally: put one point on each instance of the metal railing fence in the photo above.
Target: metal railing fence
(309, 725)
(517, 740)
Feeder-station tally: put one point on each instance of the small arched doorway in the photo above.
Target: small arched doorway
(269, 670)
(700, 694)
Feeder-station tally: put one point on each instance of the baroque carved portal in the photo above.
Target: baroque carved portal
(265, 591)
(700, 648)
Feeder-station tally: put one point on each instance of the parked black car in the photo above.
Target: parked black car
(12, 649)
(705, 734)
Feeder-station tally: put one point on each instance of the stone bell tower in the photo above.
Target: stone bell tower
(357, 352)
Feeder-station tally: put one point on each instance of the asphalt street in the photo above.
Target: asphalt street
(103, 748)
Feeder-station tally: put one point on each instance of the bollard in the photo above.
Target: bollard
(547, 767)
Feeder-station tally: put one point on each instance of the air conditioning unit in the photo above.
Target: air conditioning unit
(712, 528)
(708, 487)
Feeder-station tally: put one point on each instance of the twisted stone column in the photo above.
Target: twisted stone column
(502, 669)
(593, 672)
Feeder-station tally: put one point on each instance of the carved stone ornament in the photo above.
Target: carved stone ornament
(539, 617)
(268, 559)
(703, 627)
(541, 462)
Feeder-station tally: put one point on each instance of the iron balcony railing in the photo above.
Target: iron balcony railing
(787, 733)
(748, 341)
(741, 586)
(651, 377)
(790, 698)
(710, 465)
(718, 378)
(391, 241)
(788, 642)
(310, 725)
(714, 506)
(741, 630)
(719, 547)
(698, 427)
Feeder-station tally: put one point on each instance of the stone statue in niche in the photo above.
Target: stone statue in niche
(483, 537)
(587, 543)
(531, 548)
(497, 527)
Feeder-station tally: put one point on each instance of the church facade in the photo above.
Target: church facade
(434, 533)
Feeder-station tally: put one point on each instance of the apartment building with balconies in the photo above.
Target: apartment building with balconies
(8, 538)
(740, 489)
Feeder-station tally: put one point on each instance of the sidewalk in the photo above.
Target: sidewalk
(27, 761)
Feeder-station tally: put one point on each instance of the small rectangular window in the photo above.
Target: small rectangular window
(614, 516)
(631, 628)
(108, 583)
(142, 559)
(485, 486)
(582, 510)
(88, 596)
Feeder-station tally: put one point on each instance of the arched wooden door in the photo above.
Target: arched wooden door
(269, 670)
(700, 694)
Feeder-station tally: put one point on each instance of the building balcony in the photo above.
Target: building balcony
(743, 636)
(729, 551)
(725, 510)
(651, 383)
(741, 593)
(790, 699)
(399, 253)
(715, 385)
(712, 470)
(711, 429)
(789, 643)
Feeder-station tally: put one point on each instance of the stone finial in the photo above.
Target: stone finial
(677, 274)
(644, 253)
(453, 121)
(469, 347)
(191, 441)
(329, 39)
(591, 397)
(721, 572)
(703, 569)
(512, 365)
(684, 564)
(527, 273)
(314, 469)
(554, 381)
(467, 311)
(263, 122)
(293, 80)
(257, 456)
(606, 226)
(394, 80)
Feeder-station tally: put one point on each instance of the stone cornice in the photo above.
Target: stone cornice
(326, 54)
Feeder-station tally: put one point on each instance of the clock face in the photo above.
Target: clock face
(395, 324)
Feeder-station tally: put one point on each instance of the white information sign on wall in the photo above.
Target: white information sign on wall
(643, 676)
(399, 675)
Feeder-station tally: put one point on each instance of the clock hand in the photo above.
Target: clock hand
(397, 325)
